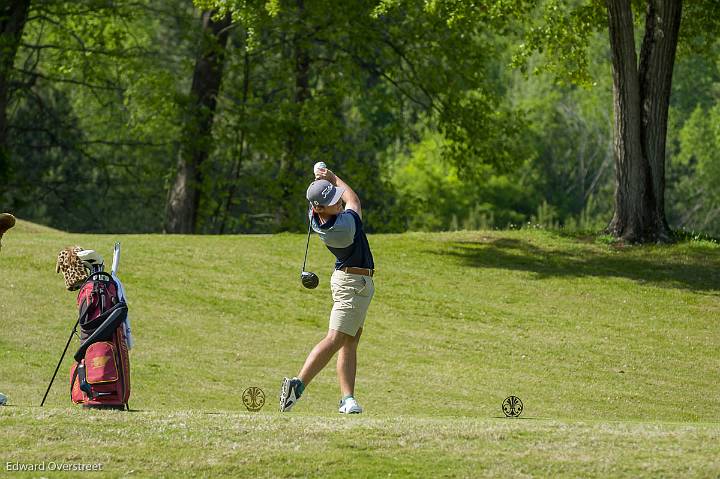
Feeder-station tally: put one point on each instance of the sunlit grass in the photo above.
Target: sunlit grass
(613, 350)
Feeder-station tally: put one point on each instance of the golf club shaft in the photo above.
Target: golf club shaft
(60, 362)
(307, 244)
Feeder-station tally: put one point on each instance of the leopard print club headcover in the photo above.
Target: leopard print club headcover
(70, 265)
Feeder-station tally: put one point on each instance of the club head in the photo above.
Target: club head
(309, 280)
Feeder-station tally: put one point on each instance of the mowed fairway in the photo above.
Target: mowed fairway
(614, 352)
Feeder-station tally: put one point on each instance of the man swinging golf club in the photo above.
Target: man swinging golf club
(341, 229)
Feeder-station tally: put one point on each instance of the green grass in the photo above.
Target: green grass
(612, 349)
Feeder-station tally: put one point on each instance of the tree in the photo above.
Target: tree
(560, 29)
(12, 21)
(196, 140)
(641, 92)
(641, 100)
(344, 86)
(93, 112)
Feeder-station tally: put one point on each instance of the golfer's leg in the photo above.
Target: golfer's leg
(347, 364)
(321, 354)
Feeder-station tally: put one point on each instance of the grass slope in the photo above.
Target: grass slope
(613, 351)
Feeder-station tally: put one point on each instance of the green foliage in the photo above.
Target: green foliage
(419, 105)
(432, 196)
(561, 29)
(693, 142)
(569, 132)
(589, 220)
(700, 27)
(546, 217)
(266, 123)
(697, 165)
(96, 116)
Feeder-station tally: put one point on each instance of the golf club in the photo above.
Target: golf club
(309, 280)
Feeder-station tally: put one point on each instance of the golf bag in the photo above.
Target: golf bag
(100, 376)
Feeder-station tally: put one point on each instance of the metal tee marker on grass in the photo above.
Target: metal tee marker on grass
(512, 406)
(253, 398)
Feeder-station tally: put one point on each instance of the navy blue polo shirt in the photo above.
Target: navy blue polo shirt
(345, 238)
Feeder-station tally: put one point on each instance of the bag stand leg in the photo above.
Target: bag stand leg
(60, 362)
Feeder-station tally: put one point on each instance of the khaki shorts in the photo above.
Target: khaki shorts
(351, 294)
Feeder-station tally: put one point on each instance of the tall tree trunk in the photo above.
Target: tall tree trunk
(13, 16)
(196, 141)
(641, 99)
(291, 165)
(657, 59)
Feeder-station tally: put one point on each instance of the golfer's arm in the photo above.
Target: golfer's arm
(351, 199)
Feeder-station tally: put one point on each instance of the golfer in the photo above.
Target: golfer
(341, 229)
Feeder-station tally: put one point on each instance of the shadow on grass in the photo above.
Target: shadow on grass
(696, 272)
(528, 418)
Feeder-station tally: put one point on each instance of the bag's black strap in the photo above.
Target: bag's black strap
(88, 326)
(117, 315)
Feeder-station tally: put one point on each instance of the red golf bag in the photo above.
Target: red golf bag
(100, 376)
